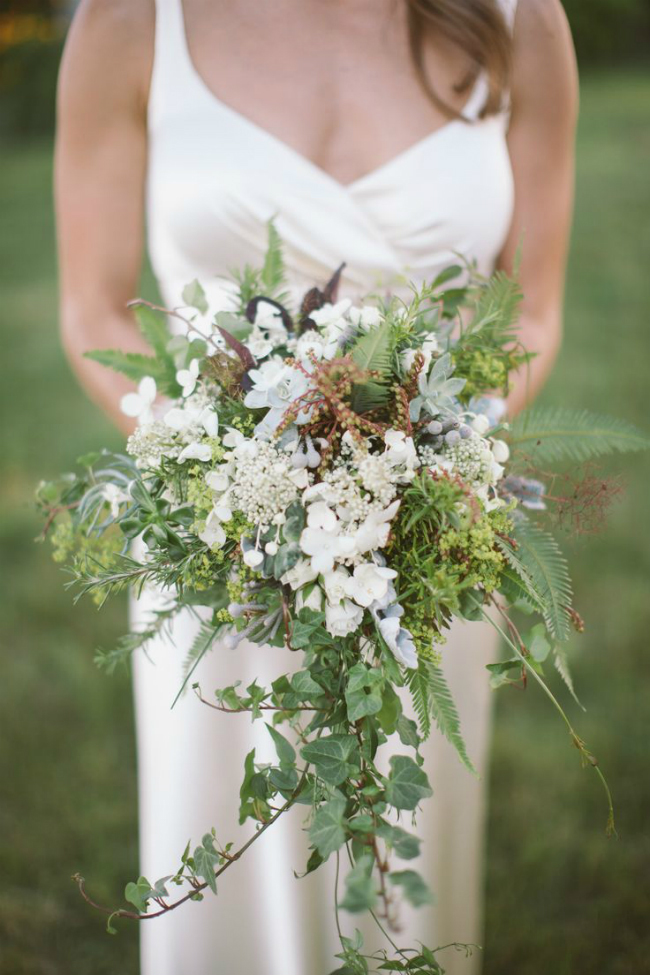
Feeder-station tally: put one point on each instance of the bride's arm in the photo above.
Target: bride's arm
(100, 164)
(541, 143)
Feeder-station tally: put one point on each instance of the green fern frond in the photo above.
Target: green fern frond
(517, 583)
(561, 662)
(432, 700)
(372, 350)
(202, 642)
(272, 274)
(550, 434)
(154, 328)
(497, 307)
(136, 366)
(544, 563)
(369, 396)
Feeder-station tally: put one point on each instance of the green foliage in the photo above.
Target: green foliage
(273, 272)
(432, 700)
(327, 832)
(540, 554)
(406, 784)
(334, 757)
(194, 295)
(360, 891)
(548, 434)
(412, 885)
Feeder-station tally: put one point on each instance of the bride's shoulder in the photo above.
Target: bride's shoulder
(544, 64)
(111, 42)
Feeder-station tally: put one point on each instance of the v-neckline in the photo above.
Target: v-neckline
(304, 160)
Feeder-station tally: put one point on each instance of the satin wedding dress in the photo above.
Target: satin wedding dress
(214, 180)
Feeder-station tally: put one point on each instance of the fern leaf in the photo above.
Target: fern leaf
(155, 330)
(372, 350)
(551, 434)
(432, 699)
(542, 559)
(518, 580)
(497, 307)
(202, 642)
(561, 662)
(369, 396)
(272, 274)
(136, 366)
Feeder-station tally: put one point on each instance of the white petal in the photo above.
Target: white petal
(131, 404)
(147, 389)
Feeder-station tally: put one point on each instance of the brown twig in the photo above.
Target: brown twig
(196, 886)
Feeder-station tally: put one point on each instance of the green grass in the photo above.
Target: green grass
(562, 898)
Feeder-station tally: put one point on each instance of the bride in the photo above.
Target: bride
(388, 134)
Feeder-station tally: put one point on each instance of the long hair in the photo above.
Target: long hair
(477, 27)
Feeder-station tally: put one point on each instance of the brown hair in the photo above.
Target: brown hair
(479, 28)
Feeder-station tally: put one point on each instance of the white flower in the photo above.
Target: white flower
(115, 496)
(218, 480)
(335, 584)
(268, 317)
(187, 377)
(369, 582)
(331, 318)
(374, 530)
(500, 451)
(253, 558)
(401, 449)
(183, 420)
(399, 640)
(324, 547)
(428, 348)
(301, 573)
(365, 318)
(213, 534)
(139, 404)
(320, 515)
(480, 424)
(195, 451)
(313, 601)
(259, 344)
(343, 618)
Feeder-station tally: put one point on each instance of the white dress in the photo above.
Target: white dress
(214, 179)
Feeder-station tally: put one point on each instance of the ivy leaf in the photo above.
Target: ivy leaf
(360, 894)
(194, 296)
(363, 693)
(304, 685)
(407, 784)
(334, 757)
(499, 672)
(138, 894)
(205, 860)
(413, 886)
(304, 628)
(537, 643)
(285, 751)
(391, 710)
(408, 733)
(327, 832)
(405, 845)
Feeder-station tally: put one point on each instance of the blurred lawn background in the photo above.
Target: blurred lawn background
(561, 898)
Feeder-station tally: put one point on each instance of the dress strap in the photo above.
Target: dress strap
(509, 9)
(172, 66)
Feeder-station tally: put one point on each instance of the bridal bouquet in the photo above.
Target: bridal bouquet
(337, 479)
